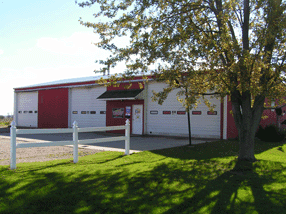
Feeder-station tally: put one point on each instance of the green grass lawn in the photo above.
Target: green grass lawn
(178, 180)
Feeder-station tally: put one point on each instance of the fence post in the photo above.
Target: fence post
(13, 145)
(127, 137)
(75, 142)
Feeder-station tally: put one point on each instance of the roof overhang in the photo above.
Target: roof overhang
(132, 94)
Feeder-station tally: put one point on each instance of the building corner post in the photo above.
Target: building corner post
(75, 142)
(15, 110)
(127, 137)
(13, 145)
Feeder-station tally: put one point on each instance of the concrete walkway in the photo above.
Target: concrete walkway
(137, 143)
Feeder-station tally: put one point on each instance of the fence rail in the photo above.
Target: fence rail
(43, 131)
(101, 140)
(100, 129)
(44, 144)
(75, 130)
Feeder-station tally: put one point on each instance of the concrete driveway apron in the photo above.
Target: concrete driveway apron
(137, 143)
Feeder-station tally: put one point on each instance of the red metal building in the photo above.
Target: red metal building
(58, 104)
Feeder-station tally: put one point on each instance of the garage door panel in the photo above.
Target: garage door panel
(84, 102)
(27, 109)
(203, 125)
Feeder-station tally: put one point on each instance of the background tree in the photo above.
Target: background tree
(240, 44)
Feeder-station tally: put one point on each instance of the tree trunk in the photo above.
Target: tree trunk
(247, 119)
(246, 146)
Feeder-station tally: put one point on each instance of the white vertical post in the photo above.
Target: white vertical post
(13, 145)
(127, 137)
(75, 142)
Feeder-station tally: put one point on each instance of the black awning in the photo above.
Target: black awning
(120, 94)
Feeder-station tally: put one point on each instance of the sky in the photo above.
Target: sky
(43, 41)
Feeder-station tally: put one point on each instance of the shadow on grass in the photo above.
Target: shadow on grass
(239, 191)
(203, 186)
(215, 149)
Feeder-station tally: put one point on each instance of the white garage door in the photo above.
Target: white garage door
(171, 118)
(27, 109)
(86, 109)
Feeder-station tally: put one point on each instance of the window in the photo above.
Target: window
(92, 112)
(196, 112)
(181, 112)
(102, 112)
(74, 112)
(30, 112)
(153, 112)
(83, 112)
(35, 112)
(166, 112)
(118, 112)
(20, 112)
(25, 112)
(212, 112)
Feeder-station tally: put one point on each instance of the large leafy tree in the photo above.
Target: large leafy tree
(240, 45)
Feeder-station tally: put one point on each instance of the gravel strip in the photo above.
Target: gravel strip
(39, 154)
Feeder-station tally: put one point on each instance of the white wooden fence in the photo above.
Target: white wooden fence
(75, 130)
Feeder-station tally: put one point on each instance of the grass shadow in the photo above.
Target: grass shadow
(203, 179)
(165, 186)
(215, 149)
(243, 192)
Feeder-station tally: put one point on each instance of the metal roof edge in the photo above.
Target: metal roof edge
(64, 81)
(71, 86)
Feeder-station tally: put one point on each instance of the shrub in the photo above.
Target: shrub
(6, 121)
(270, 133)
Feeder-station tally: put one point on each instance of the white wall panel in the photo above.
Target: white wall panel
(203, 125)
(84, 100)
(27, 109)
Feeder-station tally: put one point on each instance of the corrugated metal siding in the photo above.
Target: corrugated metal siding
(84, 102)
(27, 109)
(203, 125)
